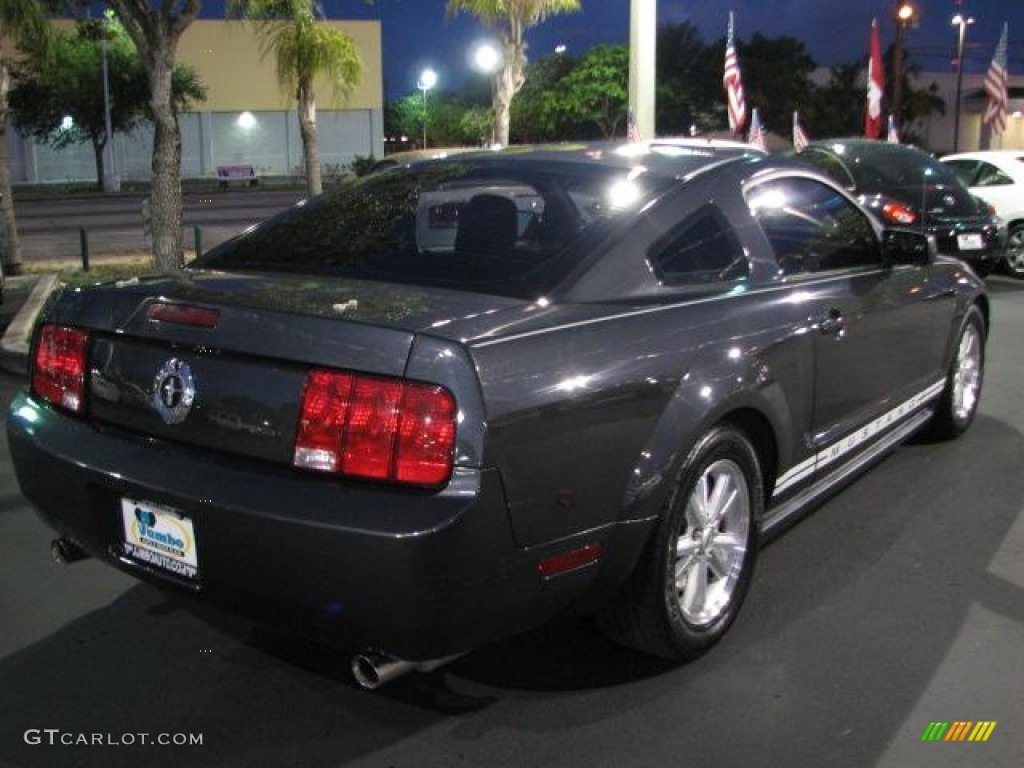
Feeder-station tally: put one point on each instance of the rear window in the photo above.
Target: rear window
(511, 228)
(901, 172)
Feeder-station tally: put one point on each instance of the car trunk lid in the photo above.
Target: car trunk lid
(221, 361)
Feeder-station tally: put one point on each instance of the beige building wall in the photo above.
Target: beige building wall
(227, 56)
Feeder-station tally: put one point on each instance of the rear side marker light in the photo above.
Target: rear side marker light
(58, 369)
(181, 314)
(897, 213)
(376, 428)
(569, 561)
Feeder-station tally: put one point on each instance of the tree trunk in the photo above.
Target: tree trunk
(156, 29)
(97, 152)
(509, 80)
(166, 188)
(10, 249)
(307, 130)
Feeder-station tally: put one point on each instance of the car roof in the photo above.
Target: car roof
(669, 155)
(864, 146)
(986, 154)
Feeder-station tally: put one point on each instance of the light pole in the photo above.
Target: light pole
(906, 15)
(486, 59)
(428, 79)
(960, 21)
(643, 35)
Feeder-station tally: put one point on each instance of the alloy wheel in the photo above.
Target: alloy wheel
(711, 549)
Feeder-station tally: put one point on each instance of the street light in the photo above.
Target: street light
(428, 79)
(906, 15)
(960, 21)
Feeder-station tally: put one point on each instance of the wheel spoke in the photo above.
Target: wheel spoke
(698, 503)
(722, 496)
(725, 549)
(685, 569)
(695, 593)
(686, 547)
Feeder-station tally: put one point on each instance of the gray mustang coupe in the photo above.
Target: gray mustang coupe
(449, 402)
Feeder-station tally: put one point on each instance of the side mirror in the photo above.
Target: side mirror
(906, 246)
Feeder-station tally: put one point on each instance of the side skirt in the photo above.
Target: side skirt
(777, 518)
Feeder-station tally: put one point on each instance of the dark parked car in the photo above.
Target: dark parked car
(903, 185)
(450, 402)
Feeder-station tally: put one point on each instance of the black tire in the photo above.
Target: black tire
(959, 401)
(1013, 263)
(662, 609)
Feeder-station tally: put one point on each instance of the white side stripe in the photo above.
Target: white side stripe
(854, 440)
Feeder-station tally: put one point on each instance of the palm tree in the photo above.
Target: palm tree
(304, 49)
(156, 30)
(24, 21)
(511, 19)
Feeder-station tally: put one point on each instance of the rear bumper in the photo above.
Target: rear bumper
(413, 574)
(993, 240)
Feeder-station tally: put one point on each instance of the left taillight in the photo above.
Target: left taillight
(58, 369)
(898, 213)
(376, 428)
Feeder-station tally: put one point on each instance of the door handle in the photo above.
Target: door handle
(832, 324)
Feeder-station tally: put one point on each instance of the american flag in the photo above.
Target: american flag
(632, 129)
(893, 136)
(800, 140)
(733, 84)
(756, 137)
(996, 88)
(876, 86)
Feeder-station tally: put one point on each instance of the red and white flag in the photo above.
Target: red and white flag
(733, 84)
(996, 82)
(876, 86)
(800, 140)
(756, 137)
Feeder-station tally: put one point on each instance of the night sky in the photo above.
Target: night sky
(418, 34)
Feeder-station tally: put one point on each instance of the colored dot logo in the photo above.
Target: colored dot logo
(958, 730)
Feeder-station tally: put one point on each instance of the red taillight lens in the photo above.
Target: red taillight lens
(370, 428)
(58, 372)
(426, 436)
(376, 428)
(897, 213)
(322, 422)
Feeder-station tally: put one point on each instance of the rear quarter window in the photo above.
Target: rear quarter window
(702, 249)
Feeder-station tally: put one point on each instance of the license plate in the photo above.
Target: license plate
(971, 242)
(160, 536)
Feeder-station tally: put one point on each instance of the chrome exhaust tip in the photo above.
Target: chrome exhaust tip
(372, 669)
(65, 551)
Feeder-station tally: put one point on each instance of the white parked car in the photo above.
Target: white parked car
(997, 177)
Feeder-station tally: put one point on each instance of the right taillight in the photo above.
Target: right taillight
(376, 428)
(58, 370)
